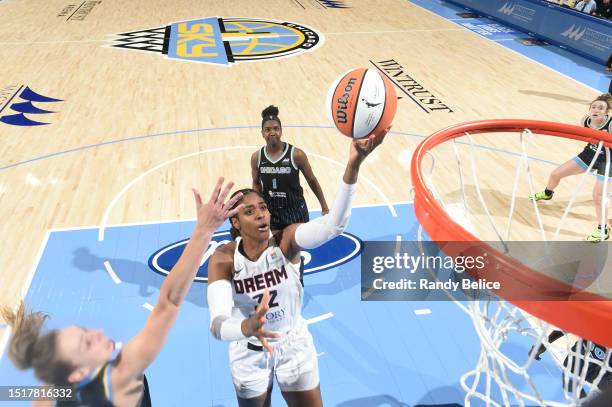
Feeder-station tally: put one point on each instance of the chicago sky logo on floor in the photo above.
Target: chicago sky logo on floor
(334, 253)
(15, 104)
(222, 41)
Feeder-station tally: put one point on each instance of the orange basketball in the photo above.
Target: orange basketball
(361, 102)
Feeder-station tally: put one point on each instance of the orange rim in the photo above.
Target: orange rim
(587, 315)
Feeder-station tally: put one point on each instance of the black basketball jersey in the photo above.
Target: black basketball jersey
(597, 352)
(606, 126)
(280, 180)
(96, 392)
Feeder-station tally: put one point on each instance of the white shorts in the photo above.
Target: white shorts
(294, 363)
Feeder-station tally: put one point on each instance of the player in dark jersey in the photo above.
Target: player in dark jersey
(597, 355)
(598, 118)
(275, 169)
(83, 359)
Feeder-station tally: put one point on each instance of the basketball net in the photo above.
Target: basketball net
(504, 376)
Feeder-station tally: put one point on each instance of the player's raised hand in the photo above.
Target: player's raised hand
(214, 212)
(361, 147)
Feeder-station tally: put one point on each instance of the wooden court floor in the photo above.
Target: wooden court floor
(118, 116)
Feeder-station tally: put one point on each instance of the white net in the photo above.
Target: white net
(524, 361)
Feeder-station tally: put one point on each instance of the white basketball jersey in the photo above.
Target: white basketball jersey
(272, 270)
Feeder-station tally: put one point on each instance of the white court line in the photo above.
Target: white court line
(366, 179)
(425, 311)
(4, 340)
(144, 174)
(398, 244)
(119, 225)
(25, 288)
(41, 249)
(114, 201)
(111, 272)
(51, 42)
(148, 306)
(155, 222)
(509, 49)
(393, 31)
(319, 318)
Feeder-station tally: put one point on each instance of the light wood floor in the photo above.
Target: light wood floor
(112, 94)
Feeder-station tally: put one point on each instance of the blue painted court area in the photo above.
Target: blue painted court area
(370, 353)
(574, 66)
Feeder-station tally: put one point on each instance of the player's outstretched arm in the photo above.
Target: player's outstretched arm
(321, 230)
(141, 350)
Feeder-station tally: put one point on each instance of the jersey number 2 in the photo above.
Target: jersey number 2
(272, 303)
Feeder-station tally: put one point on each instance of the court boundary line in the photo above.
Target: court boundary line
(26, 287)
(391, 31)
(237, 127)
(4, 338)
(164, 221)
(113, 202)
(501, 45)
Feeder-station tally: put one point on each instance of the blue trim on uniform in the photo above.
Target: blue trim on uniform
(581, 163)
(602, 178)
(109, 387)
(585, 167)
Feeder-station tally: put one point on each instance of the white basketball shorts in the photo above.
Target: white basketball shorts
(293, 363)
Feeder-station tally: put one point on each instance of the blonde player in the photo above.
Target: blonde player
(82, 358)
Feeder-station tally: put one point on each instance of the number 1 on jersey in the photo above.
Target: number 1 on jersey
(274, 183)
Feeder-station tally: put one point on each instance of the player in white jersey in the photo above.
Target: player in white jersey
(255, 296)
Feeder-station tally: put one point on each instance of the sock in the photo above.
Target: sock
(548, 192)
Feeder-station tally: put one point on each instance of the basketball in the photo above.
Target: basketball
(361, 102)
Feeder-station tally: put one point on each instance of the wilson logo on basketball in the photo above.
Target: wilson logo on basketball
(334, 253)
(223, 41)
(361, 102)
(343, 101)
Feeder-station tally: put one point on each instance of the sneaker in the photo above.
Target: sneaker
(598, 236)
(540, 196)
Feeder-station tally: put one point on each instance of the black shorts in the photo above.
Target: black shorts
(280, 218)
(586, 156)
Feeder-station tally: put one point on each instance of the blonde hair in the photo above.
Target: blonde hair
(28, 348)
